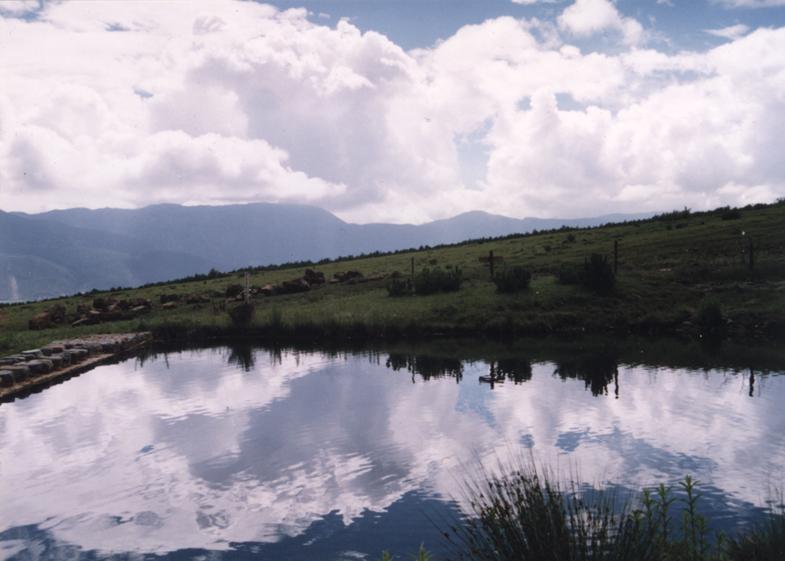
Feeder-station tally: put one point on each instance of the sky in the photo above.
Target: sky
(393, 110)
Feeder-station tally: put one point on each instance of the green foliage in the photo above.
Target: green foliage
(766, 542)
(598, 274)
(512, 279)
(522, 515)
(431, 281)
(709, 317)
(242, 314)
(569, 273)
(397, 285)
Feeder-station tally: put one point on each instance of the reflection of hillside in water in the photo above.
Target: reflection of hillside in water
(426, 366)
(596, 370)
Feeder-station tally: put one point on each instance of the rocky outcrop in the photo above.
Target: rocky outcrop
(61, 358)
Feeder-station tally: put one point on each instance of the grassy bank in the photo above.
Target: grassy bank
(680, 273)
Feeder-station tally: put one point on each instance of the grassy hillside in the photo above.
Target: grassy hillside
(671, 270)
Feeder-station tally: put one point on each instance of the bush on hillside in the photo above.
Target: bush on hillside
(512, 279)
(397, 285)
(598, 274)
(431, 281)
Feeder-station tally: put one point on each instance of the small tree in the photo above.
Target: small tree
(513, 279)
(598, 274)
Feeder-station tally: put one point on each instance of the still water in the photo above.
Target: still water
(235, 453)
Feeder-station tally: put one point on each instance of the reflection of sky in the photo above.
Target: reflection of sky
(188, 452)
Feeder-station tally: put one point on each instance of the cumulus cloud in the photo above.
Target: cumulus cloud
(125, 104)
(731, 32)
(587, 17)
(750, 3)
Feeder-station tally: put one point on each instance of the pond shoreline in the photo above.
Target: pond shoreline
(75, 357)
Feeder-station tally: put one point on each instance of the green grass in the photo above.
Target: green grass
(667, 269)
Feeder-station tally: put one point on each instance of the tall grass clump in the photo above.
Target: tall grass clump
(523, 515)
(709, 317)
(764, 542)
(512, 279)
(598, 274)
(431, 281)
(398, 285)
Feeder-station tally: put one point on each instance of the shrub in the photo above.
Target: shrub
(242, 314)
(397, 285)
(730, 214)
(431, 281)
(709, 317)
(523, 515)
(513, 279)
(568, 273)
(598, 274)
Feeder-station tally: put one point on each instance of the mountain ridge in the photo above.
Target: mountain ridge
(71, 250)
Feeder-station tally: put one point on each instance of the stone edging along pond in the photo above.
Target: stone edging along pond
(33, 370)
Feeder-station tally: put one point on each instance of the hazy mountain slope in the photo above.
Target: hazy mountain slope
(40, 258)
(77, 249)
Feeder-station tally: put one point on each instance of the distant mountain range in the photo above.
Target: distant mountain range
(68, 251)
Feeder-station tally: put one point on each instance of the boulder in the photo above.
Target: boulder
(57, 313)
(233, 290)
(348, 276)
(294, 286)
(6, 379)
(52, 348)
(40, 321)
(314, 277)
(32, 354)
(167, 298)
(9, 360)
(267, 290)
(66, 358)
(20, 372)
(169, 306)
(56, 360)
(138, 310)
(40, 366)
(103, 303)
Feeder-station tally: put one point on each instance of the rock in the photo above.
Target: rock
(6, 379)
(197, 299)
(233, 290)
(77, 354)
(57, 313)
(40, 366)
(294, 286)
(56, 360)
(40, 321)
(314, 277)
(81, 321)
(348, 276)
(169, 306)
(66, 358)
(20, 371)
(32, 354)
(9, 360)
(52, 348)
(103, 303)
(167, 298)
(267, 290)
(138, 310)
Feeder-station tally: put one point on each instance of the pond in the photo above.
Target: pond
(246, 452)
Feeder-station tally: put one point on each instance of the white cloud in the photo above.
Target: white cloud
(750, 3)
(731, 32)
(587, 17)
(231, 102)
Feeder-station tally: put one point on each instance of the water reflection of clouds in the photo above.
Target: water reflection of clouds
(195, 454)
